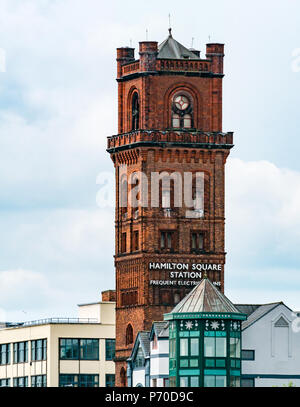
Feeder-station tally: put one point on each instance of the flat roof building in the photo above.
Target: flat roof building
(65, 352)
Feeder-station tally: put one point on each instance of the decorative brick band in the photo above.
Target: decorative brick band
(209, 139)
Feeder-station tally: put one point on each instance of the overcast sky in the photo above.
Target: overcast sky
(58, 99)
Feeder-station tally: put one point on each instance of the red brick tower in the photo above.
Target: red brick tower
(169, 120)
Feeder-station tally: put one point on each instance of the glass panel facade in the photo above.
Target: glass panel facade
(21, 381)
(214, 381)
(209, 347)
(4, 382)
(184, 381)
(235, 347)
(20, 352)
(5, 354)
(69, 349)
(39, 381)
(110, 380)
(110, 347)
(184, 347)
(194, 381)
(194, 351)
(220, 347)
(39, 350)
(89, 349)
(84, 380)
(79, 349)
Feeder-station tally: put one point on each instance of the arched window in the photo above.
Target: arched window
(129, 334)
(182, 111)
(123, 377)
(135, 111)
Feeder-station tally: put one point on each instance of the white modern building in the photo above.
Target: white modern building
(65, 352)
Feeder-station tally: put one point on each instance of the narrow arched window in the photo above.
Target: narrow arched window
(123, 377)
(135, 111)
(182, 112)
(129, 334)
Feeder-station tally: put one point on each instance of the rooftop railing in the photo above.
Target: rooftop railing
(47, 321)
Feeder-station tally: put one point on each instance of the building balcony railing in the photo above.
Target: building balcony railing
(170, 136)
(47, 321)
(182, 65)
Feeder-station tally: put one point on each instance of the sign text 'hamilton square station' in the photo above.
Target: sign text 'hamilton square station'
(183, 271)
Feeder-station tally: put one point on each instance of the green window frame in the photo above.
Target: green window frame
(38, 350)
(172, 344)
(189, 381)
(39, 381)
(235, 347)
(20, 352)
(214, 380)
(110, 349)
(194, 347)
(189, 347)
(215, 346)
(20, 381)
(235, 381)
(110, 380)
(5, 354)
(184, 347)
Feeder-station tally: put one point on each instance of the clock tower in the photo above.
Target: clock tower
(169, 157)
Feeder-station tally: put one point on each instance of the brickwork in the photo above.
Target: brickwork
(156, 147)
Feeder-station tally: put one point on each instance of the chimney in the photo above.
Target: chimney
(215, 52)
(108, 295)
(148, 53)
(124, 55)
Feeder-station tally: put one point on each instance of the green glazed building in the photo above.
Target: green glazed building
(205, 339)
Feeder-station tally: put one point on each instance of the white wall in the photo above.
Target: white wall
(277, 350)
(159, 365)
(138, 377)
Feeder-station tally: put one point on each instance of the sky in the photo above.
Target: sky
(58, 103)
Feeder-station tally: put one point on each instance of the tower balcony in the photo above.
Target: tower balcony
(170, 138)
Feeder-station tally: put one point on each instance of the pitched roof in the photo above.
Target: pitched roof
(160, 329)
(205, 297)
(165, 332)
(172, 49)
(145, 342)
(247, 308)
(260, 312)
(143, 339)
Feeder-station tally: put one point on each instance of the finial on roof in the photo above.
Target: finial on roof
(170, 29)
(205, 276)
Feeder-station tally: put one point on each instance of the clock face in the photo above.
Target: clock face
(181, 102)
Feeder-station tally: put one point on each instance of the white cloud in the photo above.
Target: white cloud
(262, 230)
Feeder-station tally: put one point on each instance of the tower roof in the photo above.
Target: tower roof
(205, 297)
(172, 49)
